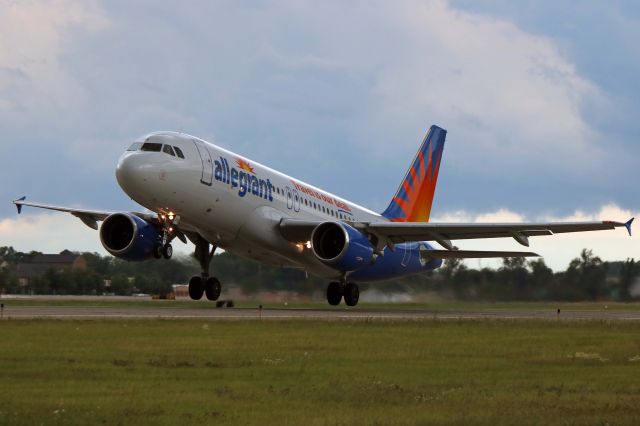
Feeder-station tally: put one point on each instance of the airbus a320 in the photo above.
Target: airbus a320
(199, 192)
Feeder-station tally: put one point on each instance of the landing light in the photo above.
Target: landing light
(308, 244)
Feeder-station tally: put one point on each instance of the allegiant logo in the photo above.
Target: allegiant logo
(244, 179)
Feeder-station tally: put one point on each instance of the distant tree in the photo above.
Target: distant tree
(540, 279)
(455, 274)
(121, 285)
(629, 270)
(586, 277)
(513, 276)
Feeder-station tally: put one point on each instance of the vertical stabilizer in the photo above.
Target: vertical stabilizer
(412, 202)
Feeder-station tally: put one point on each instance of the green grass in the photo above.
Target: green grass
(319, 372)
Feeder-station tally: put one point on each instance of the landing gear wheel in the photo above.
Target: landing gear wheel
(209, 285)
(157, 251)
(351, 294)
(196, 288)
(212, 288)
(167, 251)
(334, 293)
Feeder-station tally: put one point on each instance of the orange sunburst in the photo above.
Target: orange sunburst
(243, 165)
(417, 206)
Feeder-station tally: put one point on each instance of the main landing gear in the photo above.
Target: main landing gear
(336, 291)
(204, 284)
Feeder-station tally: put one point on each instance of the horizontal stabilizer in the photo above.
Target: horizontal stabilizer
(474, 254)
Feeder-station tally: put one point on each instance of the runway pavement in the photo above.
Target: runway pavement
(339, 313)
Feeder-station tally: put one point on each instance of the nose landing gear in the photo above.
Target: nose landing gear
(168, 224)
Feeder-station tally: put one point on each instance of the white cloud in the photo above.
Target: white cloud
(48, 233)
(502, 92)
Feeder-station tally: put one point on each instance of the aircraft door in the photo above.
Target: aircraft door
(207, 164)
(296, 201)
(289, 198)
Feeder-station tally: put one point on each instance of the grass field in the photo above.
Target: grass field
(319, 372)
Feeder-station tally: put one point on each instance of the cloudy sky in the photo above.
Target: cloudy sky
(541, 102)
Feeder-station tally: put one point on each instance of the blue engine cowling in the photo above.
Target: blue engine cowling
(128, 237)
(341, 246)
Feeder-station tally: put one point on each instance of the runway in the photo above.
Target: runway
(213, 313)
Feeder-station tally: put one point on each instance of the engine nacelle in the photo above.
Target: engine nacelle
(128, 237)
(341, 246)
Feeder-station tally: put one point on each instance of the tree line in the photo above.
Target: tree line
(587, 278)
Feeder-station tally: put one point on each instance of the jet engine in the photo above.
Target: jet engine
(128, 237)
(341, 246)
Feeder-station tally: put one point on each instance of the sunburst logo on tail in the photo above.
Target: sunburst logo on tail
(412, 202)
(243, 165)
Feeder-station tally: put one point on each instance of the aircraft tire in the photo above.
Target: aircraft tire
(196, 288)
(157, 251)
(167, 251)
(212, 288)
(334, 293)
(351, 294)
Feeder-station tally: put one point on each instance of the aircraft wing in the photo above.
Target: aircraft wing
(390, 233)
(443, 233)
(88, 217)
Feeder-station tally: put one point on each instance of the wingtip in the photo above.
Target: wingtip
(19, 204)
(627, 225)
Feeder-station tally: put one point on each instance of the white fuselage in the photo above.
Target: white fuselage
(233, 202)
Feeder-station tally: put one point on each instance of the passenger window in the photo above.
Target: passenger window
(168, 150)
(151, 147)
(178, 152)
(135, 146)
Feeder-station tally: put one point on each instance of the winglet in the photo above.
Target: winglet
(627, 225)
(18, 204)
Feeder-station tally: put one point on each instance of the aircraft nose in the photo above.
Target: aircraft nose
(130, 172)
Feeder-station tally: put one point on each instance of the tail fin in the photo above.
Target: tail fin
(412, 202)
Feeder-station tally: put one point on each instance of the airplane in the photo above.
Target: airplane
(199, 192)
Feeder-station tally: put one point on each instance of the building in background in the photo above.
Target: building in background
(37, 265)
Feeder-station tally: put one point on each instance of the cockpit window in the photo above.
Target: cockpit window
(135, 146)
(179, 152)
(168, 150)
(152, 147)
